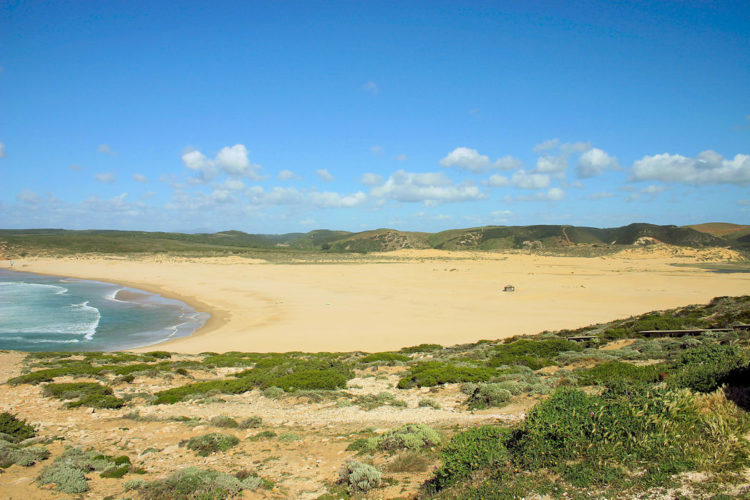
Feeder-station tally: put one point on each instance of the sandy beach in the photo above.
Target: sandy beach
(405, 298)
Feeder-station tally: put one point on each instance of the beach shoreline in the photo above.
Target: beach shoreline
(419, 297)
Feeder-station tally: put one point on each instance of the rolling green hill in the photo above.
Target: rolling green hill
(537, 237)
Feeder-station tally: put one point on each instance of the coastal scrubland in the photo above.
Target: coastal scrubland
(604, 410)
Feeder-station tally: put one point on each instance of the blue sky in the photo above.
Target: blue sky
(273, 117)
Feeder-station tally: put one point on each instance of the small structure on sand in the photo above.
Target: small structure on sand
(509, 288)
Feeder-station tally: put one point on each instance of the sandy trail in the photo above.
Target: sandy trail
(417, 296)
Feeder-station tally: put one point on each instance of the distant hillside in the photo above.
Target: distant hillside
(538, 237)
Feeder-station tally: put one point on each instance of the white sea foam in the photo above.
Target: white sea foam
(91, 327)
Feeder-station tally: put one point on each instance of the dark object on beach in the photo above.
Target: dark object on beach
(509, 288)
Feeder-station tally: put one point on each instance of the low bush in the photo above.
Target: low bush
(213, 442)
(251, 423)
(263, 435)
(409, 437)
(705, 368)
(225, 422)
(372, 401)
(535, 354)
(410, 461)
(421, 348)
(429, 403)
(25, 456)
(384, 358)
(432, 373)
(192, 483)
(16, 429)
(488, 395)
(474, 449)
(617, 371)
(90, 394)
(359, 477)
(68, 471)
(289, 437)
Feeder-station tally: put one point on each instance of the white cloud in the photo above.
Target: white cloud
(233, 185)
(429, 188)
(371, 87)
(287, 175)
(369, 179)
(28, 196)
(324, 175)
(233, 160)
(76, 168)
(377, 150)
(140, 178)
(594, 162)
(552, 194)
(507, 163)
(530, 181)
(335, 200)
(574, 147)
(496, 180)
(3, 154)
(104, 148)
(547, 145)
(555, 194)
(548, 164)
(709, 167)
(466, 158)
(401, 157)
(653, 189)
(105, 177)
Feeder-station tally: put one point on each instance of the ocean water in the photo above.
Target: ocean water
(49, 313)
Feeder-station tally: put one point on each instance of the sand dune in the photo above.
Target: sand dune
(387, 302)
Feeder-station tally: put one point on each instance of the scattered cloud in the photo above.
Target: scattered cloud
(496, 180)
(140, 178)
(105, 177)
(324, 175)
(76, 168)
(548, 164)
(471, 160)
(653, 189)
(104, 148)
(525, 180)
(233, 185)
(28, 196)
(3, 154)
(371, 87)
(401, 157)
(336, 200)
(429, 188)
(377, 150)
(546, 145)
(594, 162)
(233, 160)
(552, 194)
(370, 179)
(288, 175)
(708, 167)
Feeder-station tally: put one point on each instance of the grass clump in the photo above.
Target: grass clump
(251, 423)
(25, 456)
(488, 395)
(213, 442)
(410, 461)
(432, 373)
(263, 435)
(89, 394)
(474, 449)
(535, 354)
(371, 401)
(68, 471)
(429, 403)
(194, 483)
(359, 477)
(225, 422)
(708, 366)
(421, 348)
(13, 429)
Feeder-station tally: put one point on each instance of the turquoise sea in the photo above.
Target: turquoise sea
(50, 313)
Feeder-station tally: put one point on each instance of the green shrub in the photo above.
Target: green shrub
(194, 483)
(273, 392)
(409, 436)
(359, 477)
(371, 401)
(90, 394)
(474, 449)
(224, 421)
(487, 395)
(410, 461)
(705, 368)
(17, 429)
(213, 442)
(263, 435)
(66, 479)
(11, 453)
(535, 354)
(289, 437)
(421, 348)
(384, 358)
(116, 472)
(432, 373)
(251, 423)
(617, 371)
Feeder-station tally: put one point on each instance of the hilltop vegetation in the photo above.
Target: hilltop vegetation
(609, 411)
(549, 238)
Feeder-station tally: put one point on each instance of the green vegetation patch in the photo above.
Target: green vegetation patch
(359, 477)
(535, 354)
(13, 429)
(210, 443)
(26, 456)
(617, 371)
(474, 449)
(68, 471)
(385, 358)
(432, 373)
(710, 365)
(89, 394)
(193, 482)
(488, 395)
(421, 348)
